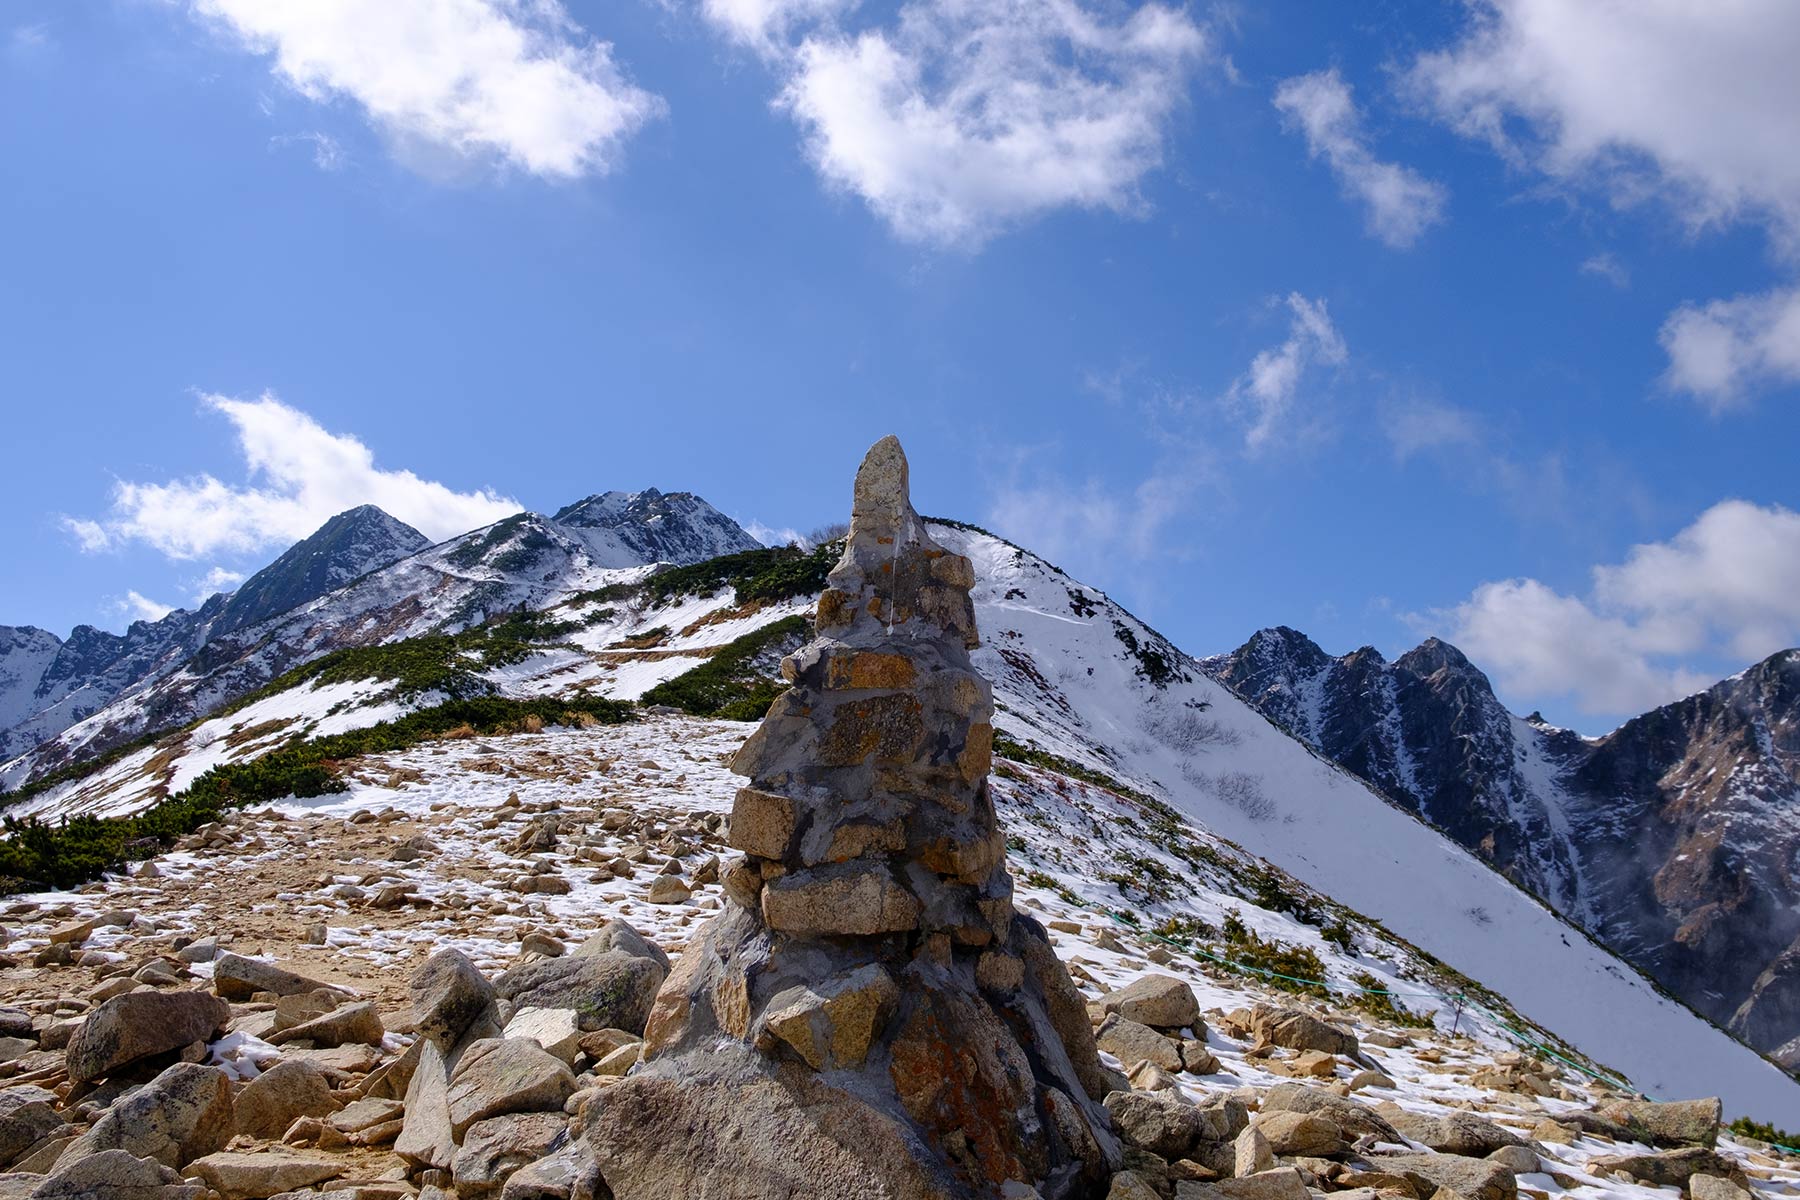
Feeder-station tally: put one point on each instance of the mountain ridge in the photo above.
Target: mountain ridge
(1666, 837)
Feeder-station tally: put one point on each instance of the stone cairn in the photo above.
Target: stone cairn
(868, 1016)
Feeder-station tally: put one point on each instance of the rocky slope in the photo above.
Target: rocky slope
(232, 646)
(252, 1015)
(1672, 838)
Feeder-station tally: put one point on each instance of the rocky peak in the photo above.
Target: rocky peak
(633, 528)
(870, 973)
(1434, 656)
(346, 547)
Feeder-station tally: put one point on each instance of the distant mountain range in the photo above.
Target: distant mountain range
(60, 700)
(1674, 839)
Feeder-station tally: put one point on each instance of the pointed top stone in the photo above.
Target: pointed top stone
(882, 501)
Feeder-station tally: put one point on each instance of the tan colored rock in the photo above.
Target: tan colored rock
(1299, 1030)
(1292, 1134)
(1252, 1152)
(140, 1025)
(1160, 1001)
(183, 1114)
(271, 1102)
(494, 1149)
(238, 978)
(495, 1076)
(1702, 1186)
(349, 1024)
(1132, 1043)
(257, 1175)
(1669, 1123)
(1280, 1183)
(847, 900)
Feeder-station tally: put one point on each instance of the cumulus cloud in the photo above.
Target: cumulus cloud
(510, 80)
(1401, 203)
(961, 118)
(300, 475)
(1723, 350)
(1265, 393)
(1688, 104)
(1726, 587)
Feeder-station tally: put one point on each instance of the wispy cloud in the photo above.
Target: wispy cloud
(1264, 395)
(1608, 267)
(1415, 424)
(327, 153)
(299, 476)
(513, 81)
(1401, 203)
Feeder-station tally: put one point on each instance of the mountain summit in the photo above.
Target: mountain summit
(351, 544)
(631, 528)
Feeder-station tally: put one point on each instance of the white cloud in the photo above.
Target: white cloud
(300, 476)
(136, 606)
(1608, 267)
(769, 535)
(763, 25)
(1725, 587)
(218, 579)
(513, 80)
(962, 118)
(1689, 104)
(1265, 393)
(1722, 350)
(1415, 425)
(1402, 204)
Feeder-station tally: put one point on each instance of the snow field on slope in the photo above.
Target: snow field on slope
(1227, 767)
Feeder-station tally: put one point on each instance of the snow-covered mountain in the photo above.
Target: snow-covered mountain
(1079, 683)
(1673, 838)
(47, 685)
(349, 545)
(629, 529)
(228, 649)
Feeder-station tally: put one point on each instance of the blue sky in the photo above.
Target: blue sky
(1378, 320)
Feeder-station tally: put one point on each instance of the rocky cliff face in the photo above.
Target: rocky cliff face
(1671, 839)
